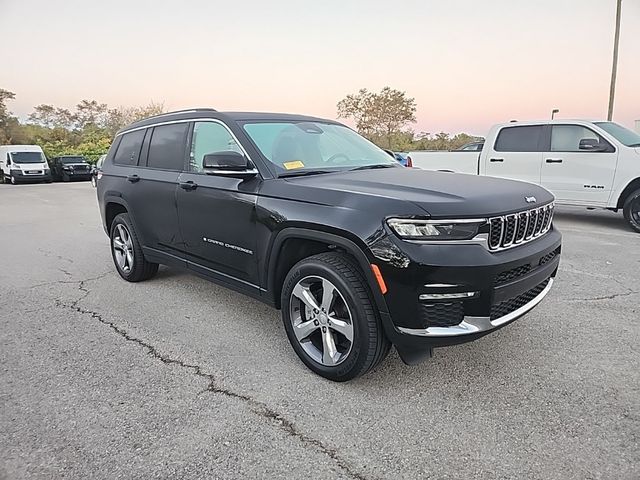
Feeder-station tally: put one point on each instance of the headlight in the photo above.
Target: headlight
(435, 229)
(14, 167)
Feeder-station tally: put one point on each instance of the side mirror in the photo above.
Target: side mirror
(232, 164)
(591, 145)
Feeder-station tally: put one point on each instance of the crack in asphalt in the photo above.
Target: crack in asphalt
(69, 282)
(257, 407)
(604, 297)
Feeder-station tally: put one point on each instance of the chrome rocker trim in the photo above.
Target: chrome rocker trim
(477, 324)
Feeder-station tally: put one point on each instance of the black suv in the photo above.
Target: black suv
(306, 215)
(70, 167)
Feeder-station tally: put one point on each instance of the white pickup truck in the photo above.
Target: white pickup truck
(583, 163)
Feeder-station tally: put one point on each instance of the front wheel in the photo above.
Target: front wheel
(632, 210)
(330, 317)
(127, 251)
(65, 177)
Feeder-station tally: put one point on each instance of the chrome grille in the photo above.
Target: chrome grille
(511, 230)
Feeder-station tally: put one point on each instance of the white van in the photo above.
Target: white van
(23, 163)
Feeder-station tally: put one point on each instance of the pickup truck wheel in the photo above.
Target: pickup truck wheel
(65, 177)
(127, 251)
(632, 210)
(330, 317)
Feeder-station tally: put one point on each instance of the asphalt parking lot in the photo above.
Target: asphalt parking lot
(179, 378)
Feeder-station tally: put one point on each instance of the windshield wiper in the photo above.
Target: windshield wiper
(304, 173)
(372, 167)
(635, 145)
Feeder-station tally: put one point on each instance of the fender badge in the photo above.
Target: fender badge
(530, 199)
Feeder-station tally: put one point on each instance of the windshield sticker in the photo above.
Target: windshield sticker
(293, 165)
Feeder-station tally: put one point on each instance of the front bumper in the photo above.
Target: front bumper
(81, 175)
(442, 295)
(21, 177)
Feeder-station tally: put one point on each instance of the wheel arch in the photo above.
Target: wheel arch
(303, 242)
(113, 206)
(632, 187)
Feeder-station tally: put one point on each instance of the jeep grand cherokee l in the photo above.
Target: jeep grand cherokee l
(304, 214)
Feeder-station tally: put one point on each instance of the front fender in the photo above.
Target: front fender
(346, 244)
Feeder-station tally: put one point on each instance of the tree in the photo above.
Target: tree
(90, 112)
(5, 115)
(49, 116)
(120, 117)
(379, 116)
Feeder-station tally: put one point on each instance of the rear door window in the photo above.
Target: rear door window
(129, 148)
(519, 139)
(168, 147)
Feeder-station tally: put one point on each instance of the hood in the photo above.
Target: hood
(439, 194)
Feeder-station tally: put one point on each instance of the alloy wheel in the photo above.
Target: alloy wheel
(123, 248)
(322, 321)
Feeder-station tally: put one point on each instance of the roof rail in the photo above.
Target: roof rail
(186, 110)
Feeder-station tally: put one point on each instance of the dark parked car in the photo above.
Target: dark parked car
(304, 214)
(96, 170)
(70, 167)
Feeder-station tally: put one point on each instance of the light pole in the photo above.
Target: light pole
(553, 113)
(614, 68)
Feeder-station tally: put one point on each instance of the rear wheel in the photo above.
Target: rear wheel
(127, 251)
(330, 317)
(632, 210)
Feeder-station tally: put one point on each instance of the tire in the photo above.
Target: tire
(126, 251)
(631, 210)
(352, 306)
(65, 177)
(13, 180)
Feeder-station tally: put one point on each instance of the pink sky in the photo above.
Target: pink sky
(469, 64)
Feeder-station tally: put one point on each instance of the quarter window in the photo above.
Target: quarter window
(566, 138)
(519, 139)
(209, 137)
(129, 148)
(166, 149)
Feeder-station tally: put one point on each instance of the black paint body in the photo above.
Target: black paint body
(236, 231)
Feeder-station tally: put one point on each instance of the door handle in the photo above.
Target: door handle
(497, 160)
(188, 185)
(553, 160)
(133, 178)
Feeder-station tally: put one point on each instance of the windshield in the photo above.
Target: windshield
(622, 134)
(68, 160)
(27, 157)
(314, 146)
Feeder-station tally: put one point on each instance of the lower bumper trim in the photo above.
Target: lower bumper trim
(472, 325)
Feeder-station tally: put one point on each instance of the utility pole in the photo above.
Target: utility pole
(614, 68)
